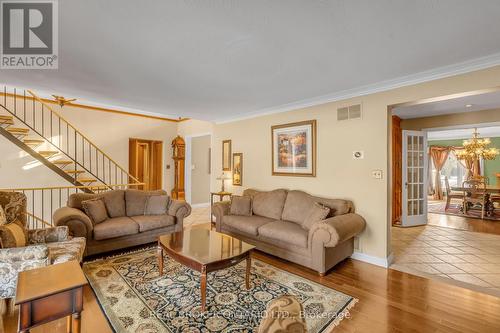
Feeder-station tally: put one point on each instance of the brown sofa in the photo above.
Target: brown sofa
(126, 225)
(276, 227)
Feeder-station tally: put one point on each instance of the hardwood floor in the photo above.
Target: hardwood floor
(464, 223)
(389, 301)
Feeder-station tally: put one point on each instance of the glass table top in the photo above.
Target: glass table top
(204, 246)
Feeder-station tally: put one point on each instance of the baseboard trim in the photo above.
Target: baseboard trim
(382, 262)
(201, 205)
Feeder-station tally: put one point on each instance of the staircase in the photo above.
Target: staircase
(32, 125)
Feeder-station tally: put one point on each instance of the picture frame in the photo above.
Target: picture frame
(294, 149)
(238, 169)
(226, 155)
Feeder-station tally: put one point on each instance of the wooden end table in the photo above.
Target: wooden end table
(221, 195)
(49, 293)
(204, 251)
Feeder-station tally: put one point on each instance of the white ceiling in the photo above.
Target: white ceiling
(222, 59)
(487, 101)
(463, 133)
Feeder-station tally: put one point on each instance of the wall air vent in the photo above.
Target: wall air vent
(349, 112)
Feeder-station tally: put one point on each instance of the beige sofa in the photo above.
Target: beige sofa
(276, 227)
(127, 225)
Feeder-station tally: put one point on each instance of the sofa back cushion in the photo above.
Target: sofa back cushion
(298, 205)
(75, 200)
(135, 201)
(156, 204)
(318, 212)
(115, 203)
(268, 204)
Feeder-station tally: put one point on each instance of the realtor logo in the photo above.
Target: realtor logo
(29, 34)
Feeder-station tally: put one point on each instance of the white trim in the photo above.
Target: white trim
(408, 80)
(201, 205)
(382, 262)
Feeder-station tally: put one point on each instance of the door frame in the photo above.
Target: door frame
(188, 168)
(156, 164)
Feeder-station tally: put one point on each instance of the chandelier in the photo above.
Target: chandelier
(477, 148)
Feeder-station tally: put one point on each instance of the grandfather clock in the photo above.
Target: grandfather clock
(178, 154)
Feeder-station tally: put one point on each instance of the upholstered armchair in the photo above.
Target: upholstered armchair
(44, 246)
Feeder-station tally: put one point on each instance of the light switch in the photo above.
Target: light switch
(377, 174)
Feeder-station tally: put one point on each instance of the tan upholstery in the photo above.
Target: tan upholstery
(149, 222)
(115, 203)
(326, 243)
(269, 204)
(156, 205)
(96, 210)
(115, 227)
(246, 224)
(241, 205)
(122, 231)
(289, 232)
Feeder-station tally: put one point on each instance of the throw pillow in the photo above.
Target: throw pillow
(318, 212)
(241, 205)
(156, 205)
(96, 210)
(13, 235)
(3, 218)
(115, 203)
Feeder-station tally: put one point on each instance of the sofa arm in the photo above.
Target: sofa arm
(78, 223)
(335, 230)
(220, 209)
(25, 253)
(180, 209)
(48, 235)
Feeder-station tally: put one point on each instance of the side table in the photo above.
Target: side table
(221, 195)
(49, 293)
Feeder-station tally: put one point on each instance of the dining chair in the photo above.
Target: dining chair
(451, 194)
(474, 194)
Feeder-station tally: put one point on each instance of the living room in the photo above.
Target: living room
(301, 128)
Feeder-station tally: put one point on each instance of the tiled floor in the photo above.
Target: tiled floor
(464, 256)
(198, 216)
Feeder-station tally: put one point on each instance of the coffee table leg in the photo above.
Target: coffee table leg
(203, 287)
(159, 252)
(247, 274)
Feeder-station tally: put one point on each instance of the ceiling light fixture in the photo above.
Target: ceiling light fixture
(468, 105)
(62, 101)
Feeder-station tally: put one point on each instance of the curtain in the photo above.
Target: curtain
(439, 156)
(430, 186)
(467, 164)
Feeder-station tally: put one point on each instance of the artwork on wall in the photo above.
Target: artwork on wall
(238, 169)
(294, 149)
(226, 155)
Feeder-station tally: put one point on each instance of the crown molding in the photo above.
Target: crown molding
(408, 80)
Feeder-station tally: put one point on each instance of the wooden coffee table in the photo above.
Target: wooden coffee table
(204, 251)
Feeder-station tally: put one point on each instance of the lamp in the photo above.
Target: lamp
(476, 148)
(223, 178)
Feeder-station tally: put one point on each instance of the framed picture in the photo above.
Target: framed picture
(226, 155)
(238, 169)
(294, 149)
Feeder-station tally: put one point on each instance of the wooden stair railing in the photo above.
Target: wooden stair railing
(35, 127)
(43, 201)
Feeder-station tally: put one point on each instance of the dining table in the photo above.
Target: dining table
(489, 189)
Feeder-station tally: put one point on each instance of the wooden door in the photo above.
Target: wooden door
(145, 163)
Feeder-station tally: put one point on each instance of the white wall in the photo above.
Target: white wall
(200, 175)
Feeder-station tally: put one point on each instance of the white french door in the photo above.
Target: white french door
(414, 173)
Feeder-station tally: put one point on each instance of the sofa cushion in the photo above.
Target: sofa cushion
(115, 203)
(156, 205)
(149, 222)
(71, 249)
(115, 227)
(318, 212)
(13, 235)
(289, 232)
(135, 201)
(246, 224)
(75, 200)
(269, 204)
(241, 205)
(96, 210)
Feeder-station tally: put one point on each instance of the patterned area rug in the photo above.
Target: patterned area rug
(136, 299)
(454, 209)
